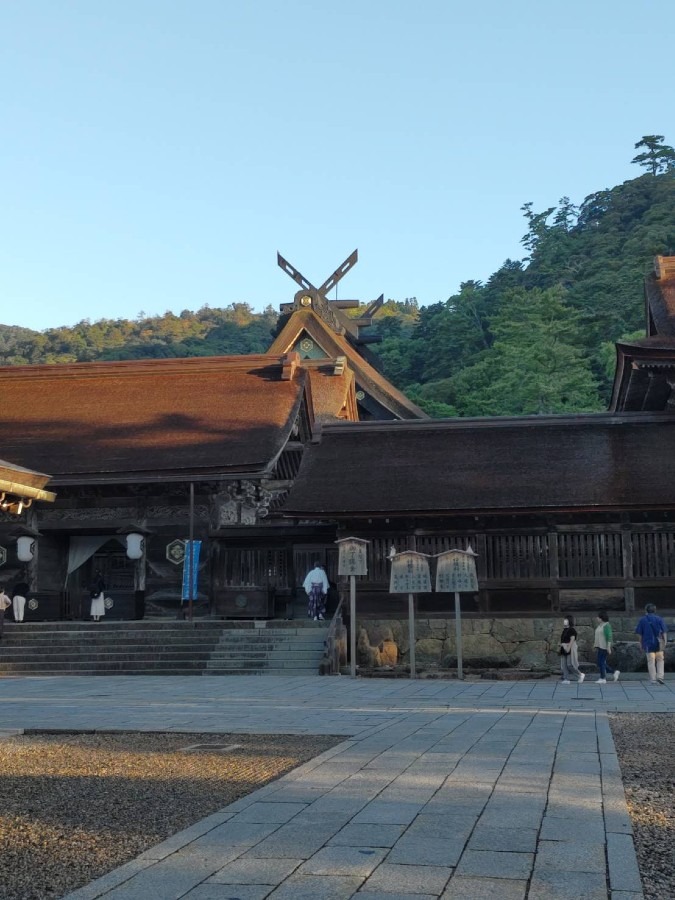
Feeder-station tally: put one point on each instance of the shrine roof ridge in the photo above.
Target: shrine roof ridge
(153, 367)
(494, 422)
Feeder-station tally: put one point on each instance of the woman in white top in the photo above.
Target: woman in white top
(5, 603)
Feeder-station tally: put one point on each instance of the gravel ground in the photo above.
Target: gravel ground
(645, 744)
(75, 806)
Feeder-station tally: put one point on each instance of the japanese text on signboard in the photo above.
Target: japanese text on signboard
(410, 574)
(456, 571)
(353, 558)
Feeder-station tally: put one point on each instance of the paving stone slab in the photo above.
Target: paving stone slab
(624, 874)
(463, 887)
(292, 841)
(229, 892)
(377, 895)
(384, 812)
(102, 885)
(255, 871)
(414, 850)
(568, 886)
(263, 813)
(356, 861)
(627, 895)
(570, 856)
(317, 887)
(512, 817)
(588, 831)
(391, 878)
(367, 836)
(428, 825)
(493, 864)
(521, 840)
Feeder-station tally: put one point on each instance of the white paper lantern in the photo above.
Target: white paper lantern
(135, 545)
(25, 548)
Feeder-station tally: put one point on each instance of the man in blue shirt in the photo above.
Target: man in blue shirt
(652, 630)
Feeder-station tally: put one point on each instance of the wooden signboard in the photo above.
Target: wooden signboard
(353, 558)
(410, 573)
(353, 561)
(456, 571)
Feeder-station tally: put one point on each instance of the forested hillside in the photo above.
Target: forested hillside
(207, 332)
(537, 337)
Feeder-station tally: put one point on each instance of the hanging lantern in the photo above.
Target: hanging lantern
(135, 545)
(25, 548)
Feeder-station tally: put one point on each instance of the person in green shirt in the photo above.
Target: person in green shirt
(603, 646)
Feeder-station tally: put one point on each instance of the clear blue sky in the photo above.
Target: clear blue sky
(155, 154)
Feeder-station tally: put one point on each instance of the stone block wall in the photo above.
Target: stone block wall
(492, 643)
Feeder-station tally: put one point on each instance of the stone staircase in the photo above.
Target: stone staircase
(291, 650)
(200, 647)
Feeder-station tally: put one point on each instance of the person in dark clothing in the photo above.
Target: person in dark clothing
(652, 630)
(569, 655)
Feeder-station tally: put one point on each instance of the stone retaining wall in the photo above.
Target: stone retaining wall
(507, 643)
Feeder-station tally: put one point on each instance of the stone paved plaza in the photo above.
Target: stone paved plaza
(441, 789)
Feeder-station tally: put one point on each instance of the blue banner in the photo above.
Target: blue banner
(191, 564)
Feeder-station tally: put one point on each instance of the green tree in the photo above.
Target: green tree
(535, 365)
(657, 156)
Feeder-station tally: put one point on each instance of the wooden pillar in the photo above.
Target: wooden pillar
(554, 569)
(482, 572)
(627, 554)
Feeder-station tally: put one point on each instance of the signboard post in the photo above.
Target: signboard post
(353, 561)
(410, 575)
(456, 572)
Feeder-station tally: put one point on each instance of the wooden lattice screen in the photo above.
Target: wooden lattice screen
(653, 554)
(590, 555)
(245, 566)
(515, 557)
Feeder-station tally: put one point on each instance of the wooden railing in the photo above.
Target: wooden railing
(335, 645)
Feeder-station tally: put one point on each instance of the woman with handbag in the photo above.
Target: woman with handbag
(97, 597)
(569, 653)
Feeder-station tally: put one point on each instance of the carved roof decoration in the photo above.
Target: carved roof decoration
(313, 319)
(20, 486)
(393, 402)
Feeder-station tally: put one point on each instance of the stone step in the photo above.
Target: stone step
(275, 637)
(163, 624)
(113, 656)
(295, 672)
(120, 666)
(103, 634)
(270, 653)
(112, 640)
(287, 643)
(254, 665)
